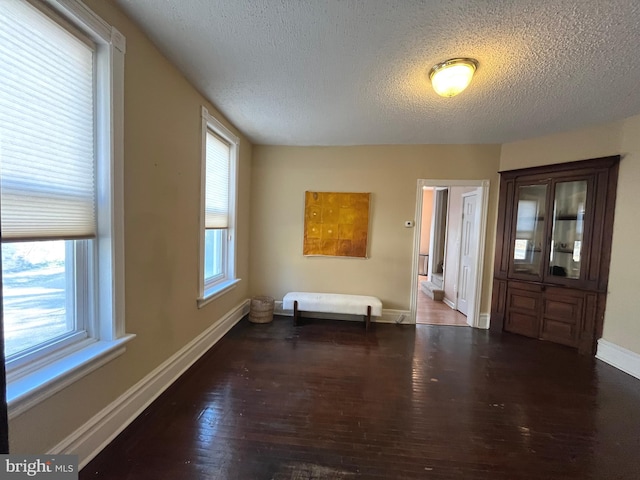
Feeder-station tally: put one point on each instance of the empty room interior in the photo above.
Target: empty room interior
(199, 197)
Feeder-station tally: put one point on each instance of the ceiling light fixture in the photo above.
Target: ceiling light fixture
(451, 77)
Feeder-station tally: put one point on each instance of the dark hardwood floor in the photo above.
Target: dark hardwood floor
(326, 400)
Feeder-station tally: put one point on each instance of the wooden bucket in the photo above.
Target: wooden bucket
(261, 310)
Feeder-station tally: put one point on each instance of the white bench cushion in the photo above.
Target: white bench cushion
(333, 303)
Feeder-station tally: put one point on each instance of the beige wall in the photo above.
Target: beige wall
(162, 183)
(594, 142)
(620, 323)
(280, 176)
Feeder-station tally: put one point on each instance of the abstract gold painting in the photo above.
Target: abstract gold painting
(336, 224)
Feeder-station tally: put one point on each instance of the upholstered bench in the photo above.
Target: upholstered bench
(332, 303)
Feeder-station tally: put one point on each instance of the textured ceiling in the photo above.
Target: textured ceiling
(349, 72)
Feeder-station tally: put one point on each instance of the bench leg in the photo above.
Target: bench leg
(368, 319)
(295, 313)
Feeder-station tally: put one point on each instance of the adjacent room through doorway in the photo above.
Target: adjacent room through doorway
(434, 312)
(448, 254)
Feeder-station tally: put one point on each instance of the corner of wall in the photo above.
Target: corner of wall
(619, 357)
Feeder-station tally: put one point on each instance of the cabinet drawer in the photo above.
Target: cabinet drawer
(562, 317)
(523, 311)
(522, 324)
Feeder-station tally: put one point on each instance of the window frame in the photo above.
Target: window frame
(30, 384)
(208, 291)
(80, 304)
(222, 276)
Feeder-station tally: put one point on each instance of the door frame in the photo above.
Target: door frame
(483, 190)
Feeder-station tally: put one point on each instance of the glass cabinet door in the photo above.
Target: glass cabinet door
(529, 235)
(565, 257)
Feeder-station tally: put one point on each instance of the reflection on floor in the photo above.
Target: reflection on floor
(327, 401)
(430, 312)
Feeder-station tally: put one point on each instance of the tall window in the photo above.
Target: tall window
(47, 177)
(60, 181)
(220, 154)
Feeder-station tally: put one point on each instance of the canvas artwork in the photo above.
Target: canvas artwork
(336, 224)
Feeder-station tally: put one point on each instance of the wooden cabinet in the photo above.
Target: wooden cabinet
(553, 245)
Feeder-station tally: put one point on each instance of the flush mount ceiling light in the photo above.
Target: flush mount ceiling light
(451, 77)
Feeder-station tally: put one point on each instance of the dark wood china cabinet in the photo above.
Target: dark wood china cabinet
(553, 245)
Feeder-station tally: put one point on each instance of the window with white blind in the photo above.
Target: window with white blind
(219, 185)
(61, 185)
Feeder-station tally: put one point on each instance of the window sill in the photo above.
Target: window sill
(216, 291)
(29, 390)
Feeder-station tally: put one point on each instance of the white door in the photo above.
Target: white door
(468, 253)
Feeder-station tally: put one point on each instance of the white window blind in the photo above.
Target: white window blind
(46, 127)
(217, 182)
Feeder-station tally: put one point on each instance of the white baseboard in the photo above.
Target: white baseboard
(94, 435)
(388, 315)
(619, 357)
(449, 303)
(277, 309)
(396, 316)
(484, 320)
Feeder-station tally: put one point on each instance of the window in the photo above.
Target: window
(217, 251)
(61, 181)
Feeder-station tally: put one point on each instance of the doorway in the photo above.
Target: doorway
(449, 251)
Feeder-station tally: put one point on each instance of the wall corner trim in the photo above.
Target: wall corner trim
(619, 357)
(484, 320)
(102, 428)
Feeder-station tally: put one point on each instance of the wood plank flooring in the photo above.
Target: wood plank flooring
(431, 312)
(326, 400)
